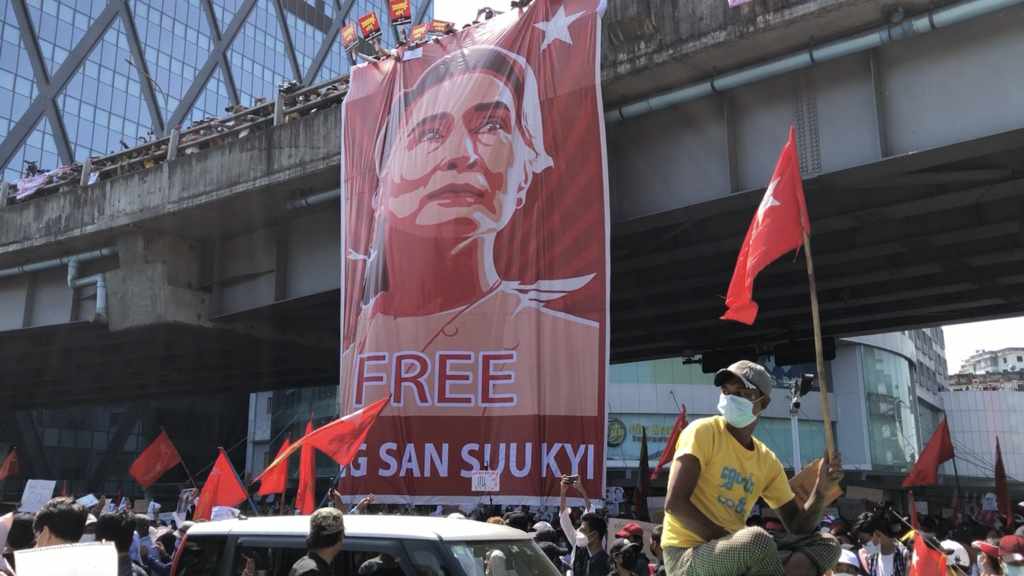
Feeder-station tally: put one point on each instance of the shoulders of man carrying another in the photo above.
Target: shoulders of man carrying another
(731, 480)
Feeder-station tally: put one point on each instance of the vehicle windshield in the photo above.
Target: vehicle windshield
(519, 558)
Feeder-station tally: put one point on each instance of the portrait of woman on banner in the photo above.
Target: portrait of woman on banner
(456, 158)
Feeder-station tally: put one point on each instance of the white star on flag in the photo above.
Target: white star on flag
(768, 201)
(557, 28)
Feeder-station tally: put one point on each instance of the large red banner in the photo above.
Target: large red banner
(475, 273)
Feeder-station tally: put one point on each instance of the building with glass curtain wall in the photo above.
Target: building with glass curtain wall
(77, 77)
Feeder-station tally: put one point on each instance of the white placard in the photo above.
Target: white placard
(486, 481)
(37, 493)
(92, 559)
(223, 513)
(88, 501)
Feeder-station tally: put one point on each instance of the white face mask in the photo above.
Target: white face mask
(87, 538)
(582, 540)
(738, 411)
(873, 548)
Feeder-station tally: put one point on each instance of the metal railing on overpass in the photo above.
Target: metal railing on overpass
(202, 134)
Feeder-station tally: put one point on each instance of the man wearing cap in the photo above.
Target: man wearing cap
(326, 533)
(625, 556)
(1011, 555)
(719, 472)
(635, 534)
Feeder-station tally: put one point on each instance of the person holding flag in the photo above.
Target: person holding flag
(719, 472)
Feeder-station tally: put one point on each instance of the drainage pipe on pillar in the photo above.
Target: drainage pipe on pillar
(314, 200)
(933, 20)
(73, 263)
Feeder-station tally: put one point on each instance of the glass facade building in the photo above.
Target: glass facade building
(79, 77)
(892, 429)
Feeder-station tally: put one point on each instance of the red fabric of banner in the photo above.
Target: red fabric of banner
(154, 461)
(938, 450)
(476, 243)
(222, 488)
(777, 228)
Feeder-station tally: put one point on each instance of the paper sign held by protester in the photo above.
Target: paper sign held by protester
(153, 510)
(486, 481)
(869, 494)
(92, 559)
(37, 493)
(88, 501)
(141, 506)
(803, 484)
(223, 513)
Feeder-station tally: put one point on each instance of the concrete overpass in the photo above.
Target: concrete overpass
(912, 151)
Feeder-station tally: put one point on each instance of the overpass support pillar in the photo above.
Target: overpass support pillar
(158, 282)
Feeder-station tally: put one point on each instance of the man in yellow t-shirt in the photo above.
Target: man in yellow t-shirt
(719, 472)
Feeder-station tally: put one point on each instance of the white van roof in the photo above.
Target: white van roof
(375, 526)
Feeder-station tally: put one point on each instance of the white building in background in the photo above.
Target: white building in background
(994, 361)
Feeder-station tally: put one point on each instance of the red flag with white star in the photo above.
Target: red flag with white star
(777, 228)
(222, 488)
(154, 461)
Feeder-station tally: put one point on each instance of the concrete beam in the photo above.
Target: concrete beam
(114, 447)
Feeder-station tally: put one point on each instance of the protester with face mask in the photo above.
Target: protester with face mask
(720, 471)
(958, 560)
(635, 534)
(886, 556)
(60, 521)
(580, 555)
(1011, 555)
(591, 534)
(625, 557)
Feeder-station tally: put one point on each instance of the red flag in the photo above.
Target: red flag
(340, 439)
(913, 510)
(276, 482)
(670, 446)
(926, 562)
(155, 461)
(64, 491)
(222, 488)
(1002, 489)
(938, 450)
(777, 228)
(307, 475)
(10, 467)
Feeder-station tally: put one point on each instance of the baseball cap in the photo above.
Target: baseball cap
(956, 553)
(621, 545)
(848, 557)
(1011, 548)
(544, 533)
(630, 530)
(327, 521)
(542, 526)
(752, 374)
(992, 550)
(456, 516)
(774, 524)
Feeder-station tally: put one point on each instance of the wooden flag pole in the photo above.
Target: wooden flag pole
(818, 353)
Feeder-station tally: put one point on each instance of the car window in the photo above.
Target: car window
(275, 557)
(519, 558)
(200, 555)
